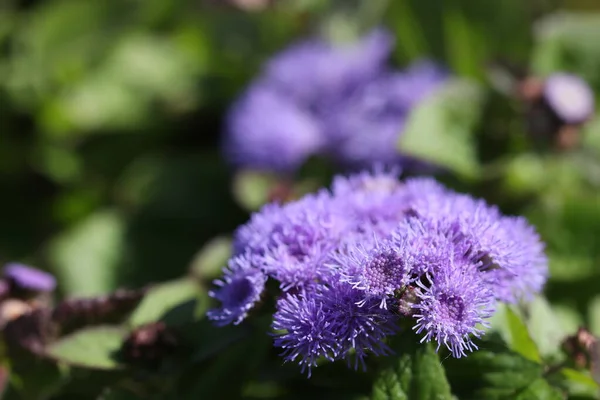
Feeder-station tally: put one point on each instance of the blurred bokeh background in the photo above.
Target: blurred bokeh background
(111, 172)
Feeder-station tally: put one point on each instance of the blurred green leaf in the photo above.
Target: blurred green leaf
(165, 298)
(513, 330)
(525, 174)
(493, 373)
(568, 42)
(211, 259)
(440, 129)
(415, 372)
(540, 389)
(252, 189)
(85, 258)
(91, 347)
(544, 326)
(580, 383)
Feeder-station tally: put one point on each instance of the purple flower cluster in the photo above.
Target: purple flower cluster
(357, 262)
(319, 98)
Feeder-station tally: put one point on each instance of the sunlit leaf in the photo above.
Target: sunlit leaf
(415, 372)
(92, 347)
(440, 129)
(86, 257)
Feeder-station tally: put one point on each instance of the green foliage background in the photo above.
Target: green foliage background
(111, 177)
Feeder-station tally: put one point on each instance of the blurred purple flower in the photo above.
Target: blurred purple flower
(29, 278)
(569, 97)
(322, 98)
(364, 127)
(315, 72)
(267, 131)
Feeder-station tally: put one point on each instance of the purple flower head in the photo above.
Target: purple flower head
(305, 330)
(373, 201)
(25, 277)
(316, 71)
(570, 97)
(267, 131)
(429, 244)
(451, 305)
(379, 272)
(364, 127)
(524, 272)
(508, 250)
(294, 240)
(354, 261)
(330, 324)
(238, 291)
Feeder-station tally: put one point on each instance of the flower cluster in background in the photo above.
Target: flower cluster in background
(321, 98)
(374, 254)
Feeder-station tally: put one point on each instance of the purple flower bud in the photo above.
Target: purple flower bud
(569, 97)
(25, 277)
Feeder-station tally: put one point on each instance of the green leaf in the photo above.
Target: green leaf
(514, 332)
(540, 389)
(491, 373)
(568, 42)
(252, 188)
(440, 128)
(580, 383)
(544, 326)
(92, 347)
(414, 373)
(209, 261)
(85, 258)
(176, 302)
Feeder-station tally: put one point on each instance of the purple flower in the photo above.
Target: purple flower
(25, 277)
(374, 202)
(315, 71)
(305, 334)
(379, 272)
(330, 324)
(451, 306)
(569, 97)
(364, 127)
(509, 250)
(354, 262)
(294, 240)
(238, 291)
(267, 131)
(524, 271)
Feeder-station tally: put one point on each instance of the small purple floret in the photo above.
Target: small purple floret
(29, 278)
